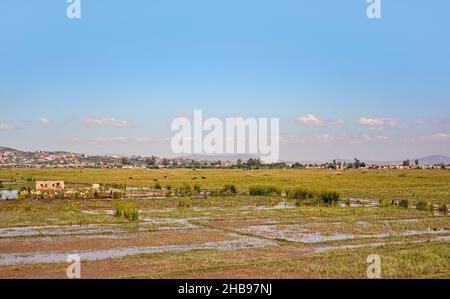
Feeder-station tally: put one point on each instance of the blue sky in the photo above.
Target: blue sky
(342, 85)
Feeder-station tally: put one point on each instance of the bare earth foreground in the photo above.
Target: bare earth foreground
(237, 236)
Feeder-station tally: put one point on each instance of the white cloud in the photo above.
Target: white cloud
(366, 121)
(44, 121)
(92, 122)
(440, 137)
(6, 127)
(314, 121)
(310, 120)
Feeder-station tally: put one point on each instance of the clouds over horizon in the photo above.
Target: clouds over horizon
(106, 122)
(377, 122)
(311, 120)
(6, 127)
(441, 137)
(44, 121)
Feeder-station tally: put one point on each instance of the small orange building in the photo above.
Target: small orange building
(49, 185)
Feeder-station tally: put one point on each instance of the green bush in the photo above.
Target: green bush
(384, 203)
(403, 203)
(229, 189)
(127, 210)
(264, 190)
(443, 208)
(423, 205)
(329, 197)
(132, 214)
(184, 190)
(197, 189)
(116, 195)
(300, 194)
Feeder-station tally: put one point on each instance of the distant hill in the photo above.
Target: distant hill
(14, 157)
(436, 159)
(428, 160)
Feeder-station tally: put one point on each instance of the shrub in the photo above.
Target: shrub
(116, 195)
(229, 189)
(443, 208)
(384, 203)
(403, 203)
(197, 189)
(132, 214)
(264, 191)
(127, 210)
(118, 211)
(183, 190)
(157, 186)
(329, 197)
(300, 194)
(423, 205)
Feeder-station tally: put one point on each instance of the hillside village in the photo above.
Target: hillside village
(48, 159)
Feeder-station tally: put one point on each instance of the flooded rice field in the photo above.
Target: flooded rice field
(51, 230)
(241, 242)
(297, 233)
(256, 229)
